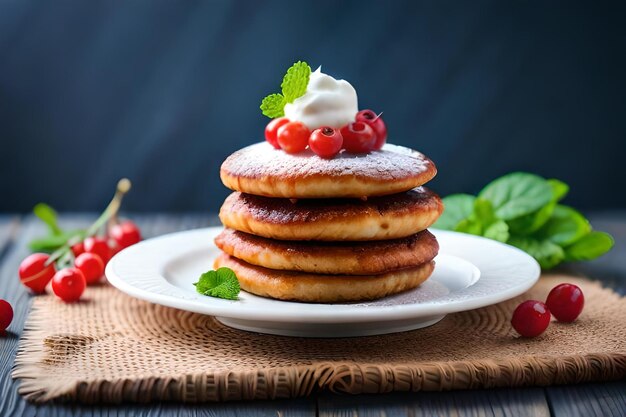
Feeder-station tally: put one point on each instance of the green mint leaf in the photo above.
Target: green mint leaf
(547, 253)
(559, 189)
(565, 226)
(457, 207)
(483, 222)
(590, 246)
(497, 230)
(295, 81)
(293, 86)
(470, 226)
(530, 223)
(517, 194)
(522, 209)
(222, 283)
(484, 212)
(273, 105)
(49, 216)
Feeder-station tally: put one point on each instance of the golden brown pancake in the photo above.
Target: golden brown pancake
(350, 258)
(260, 169)
(314, 288)
(377, 218)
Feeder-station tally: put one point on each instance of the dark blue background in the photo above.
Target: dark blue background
(163, 91)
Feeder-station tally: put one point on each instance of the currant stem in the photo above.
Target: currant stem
(123, 186)
(65, 260)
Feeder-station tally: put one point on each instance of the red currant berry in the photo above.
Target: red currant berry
(34, 273)
(99, 246)
(376, 123)
(91, 266)
(125, 234)
(566, 302)
(78, 248)
(271, 130)
(115, 248)
(69, 284)
(293, 137)
(531, 318)
(6, 314)
(358, 137)
(326, 142)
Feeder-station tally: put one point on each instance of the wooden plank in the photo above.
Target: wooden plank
(284, 408)
(13, 291)
(479, 403)
(588, 400)
(9, 226)
(11, 404)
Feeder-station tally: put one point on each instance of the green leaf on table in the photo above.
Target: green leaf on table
(482, 221)
(497, 230)
(565, 226)
(49, 216)
(47, 244)
(53, 242)
(456, 207)
(484, 212)
(470, 226)
(590, 246)
(530, 223)
(547, 253)
(222, 283)
(559, 189)
(517, 194)
(522, 209)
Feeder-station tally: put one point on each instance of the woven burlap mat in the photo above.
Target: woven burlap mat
(112, 348)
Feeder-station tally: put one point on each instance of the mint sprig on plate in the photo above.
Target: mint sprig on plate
(523, 210)
(293, 86)
(222, 283)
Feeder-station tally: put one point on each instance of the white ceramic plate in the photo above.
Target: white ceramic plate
(471, 272)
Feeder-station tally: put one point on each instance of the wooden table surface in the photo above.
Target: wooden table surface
(597, 399)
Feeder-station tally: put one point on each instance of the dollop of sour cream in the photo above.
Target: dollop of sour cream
(327, 102)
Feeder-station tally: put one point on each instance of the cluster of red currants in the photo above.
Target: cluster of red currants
(90, 259)
(367, 133)
(565, 302)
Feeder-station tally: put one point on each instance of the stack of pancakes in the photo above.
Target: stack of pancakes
(303, 228)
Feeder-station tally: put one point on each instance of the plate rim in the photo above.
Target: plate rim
(340, 313)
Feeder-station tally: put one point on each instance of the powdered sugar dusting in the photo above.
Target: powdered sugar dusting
(261, 160)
